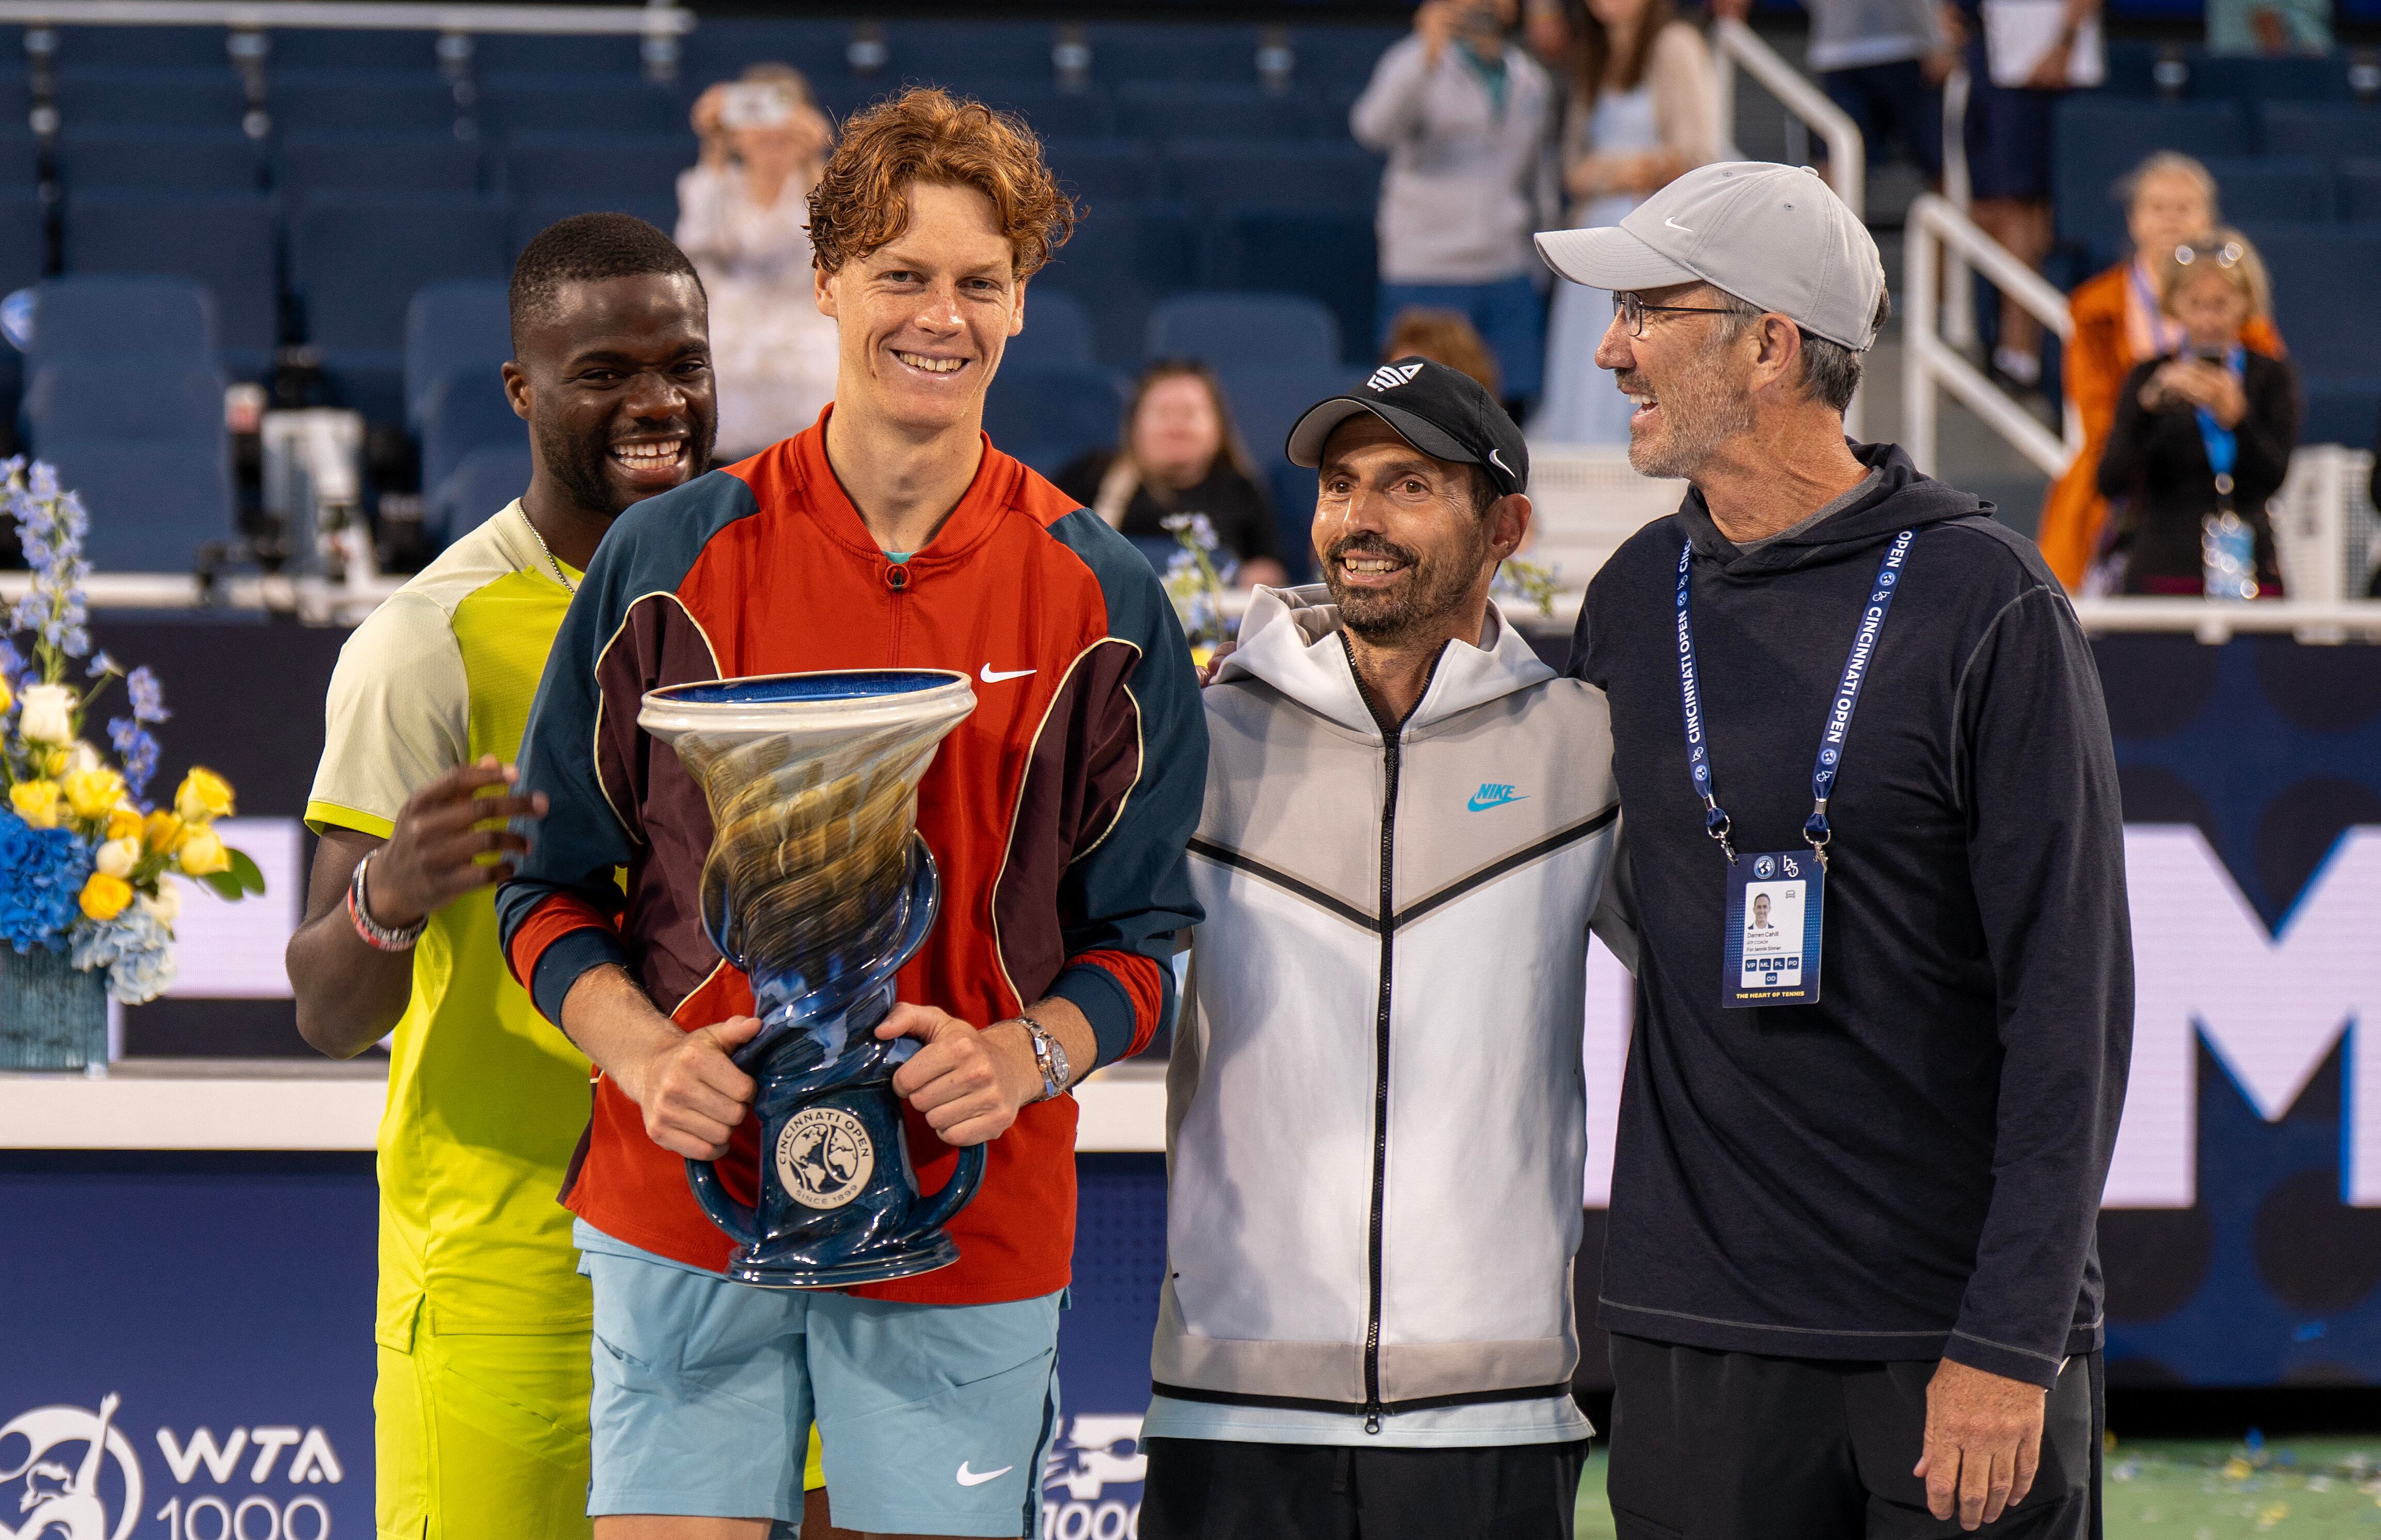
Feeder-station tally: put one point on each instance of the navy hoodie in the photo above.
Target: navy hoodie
(1911, 1168)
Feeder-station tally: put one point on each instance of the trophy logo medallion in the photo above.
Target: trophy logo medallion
(819, 887)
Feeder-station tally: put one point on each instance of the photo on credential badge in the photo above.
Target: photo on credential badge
(1773, 937)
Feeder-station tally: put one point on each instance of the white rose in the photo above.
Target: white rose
(167, 907)
(82, 757)
(46, 714)
(116, 857)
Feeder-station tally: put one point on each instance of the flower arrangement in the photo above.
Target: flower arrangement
(1529, 583)
(1194, 580)
(84, 859)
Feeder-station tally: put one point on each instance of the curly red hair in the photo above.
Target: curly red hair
(924, 135)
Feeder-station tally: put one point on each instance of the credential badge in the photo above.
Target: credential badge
(824, 1158)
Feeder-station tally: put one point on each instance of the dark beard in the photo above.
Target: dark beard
(1436, 588)
(577, 464)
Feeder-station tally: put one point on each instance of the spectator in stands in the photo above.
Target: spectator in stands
(1884, 62)
(2269, 27)
(1443, 337)
(2009, 162)
(2203, 436)
(1181, 453)
(743, 219)
(2169, 200)
(1465, 116)
(1645, 110)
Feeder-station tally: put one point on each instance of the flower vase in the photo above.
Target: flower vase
(53, 1015)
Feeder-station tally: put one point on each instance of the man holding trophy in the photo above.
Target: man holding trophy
(876, 668)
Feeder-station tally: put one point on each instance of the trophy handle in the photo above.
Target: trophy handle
(945, 1205)
(742, 1224)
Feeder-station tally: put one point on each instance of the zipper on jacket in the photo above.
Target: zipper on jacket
(896, 578)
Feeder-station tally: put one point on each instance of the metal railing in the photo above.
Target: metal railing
(1930, 361)
(1736, 45)
(655, 21)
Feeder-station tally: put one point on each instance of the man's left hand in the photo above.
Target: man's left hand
(1984, 1442)
(969, 1084)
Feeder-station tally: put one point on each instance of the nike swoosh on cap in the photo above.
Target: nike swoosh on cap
(989, 677)
(970, 1478)
(1676, 225)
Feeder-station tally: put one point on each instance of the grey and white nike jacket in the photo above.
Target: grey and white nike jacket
(1376, 1124)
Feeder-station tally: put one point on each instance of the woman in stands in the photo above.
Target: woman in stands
(2203, 436)
(1645, 109)
(1444, 336)
(743, 218)
(2169, 201)
(1180, 454)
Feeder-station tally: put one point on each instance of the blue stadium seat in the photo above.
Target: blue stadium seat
(1267, 402)
(314, 101)
(181, 159)
(223, 241)
(2341, 410)
(954, 52)
(1249, 331)
(1058, 333)
(476, 490)
(1325, 254)
(464, 326)
(22, 244)
(357, 260)
(20, 159)
(86, 318)
(2269, 188)
(124, 97)
(1123, 258)
(2323, 280)
(1102, 168)
(1164, 109)
(1172, 51)
(145, 48)
(601, 168)
(2249, 79)
(2330, 130)
(2100, 140)
(498, 53)
(465, 410)
(1047, 417)
(616, 104)
(2132, 66)
(1340, 58)
(355, 48)
(16, 100)
(1293, 489)
(144, 447)
(721, 47)
(659, 209)
(2360, 190)
(367, 162)
(1273, 173)
(1049, 111)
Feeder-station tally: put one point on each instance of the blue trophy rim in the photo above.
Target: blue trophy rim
(857, 684)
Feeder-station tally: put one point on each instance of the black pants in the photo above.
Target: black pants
(1208, 1489)
(1718, 1445)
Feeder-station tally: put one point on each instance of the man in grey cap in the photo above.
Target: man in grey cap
(1849, 1267)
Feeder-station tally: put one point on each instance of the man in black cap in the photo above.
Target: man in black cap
(1377, 1130)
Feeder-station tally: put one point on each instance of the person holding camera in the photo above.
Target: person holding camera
(743, 218)
(2203, 436)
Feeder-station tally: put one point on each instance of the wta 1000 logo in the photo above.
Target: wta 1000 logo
(1096, 1451)
(68, 1472)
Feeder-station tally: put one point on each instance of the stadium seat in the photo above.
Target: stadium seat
(87, 318)
(1273, 173)
(2360, 190)
(2132, 66)
(223, 241)
(22, 242)
(448, 327)
(481, 485)
(144, 447)
(722, 46)
(1047, 417)
(357, 260)
(1122, 259)
(125, 97)
(2322, 277)
(955, 52)
(1172, 51)
(2249, 79)
(354, 48)
(2100, 140)
(1293, 490)
(2269, 188)
(1102, 168)
(16, 100)
(143, 47)
(1328, 255)
(657, 208)
(1164, 109)
(19, 160)
(464, 409)
(306, 102)
(1058, 333)
(1245, 331)
(500, 53)
(365, 162)
(179, 160)
(596, 167)
(1266, 402)
(1049, 111)
(1340, 57)
(2341, 410)
(2328, 131)
(579, 104)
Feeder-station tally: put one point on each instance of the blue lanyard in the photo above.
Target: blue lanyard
(2223, 445)
(1839, 708)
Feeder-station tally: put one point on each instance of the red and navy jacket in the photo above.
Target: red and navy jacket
(1058, 812)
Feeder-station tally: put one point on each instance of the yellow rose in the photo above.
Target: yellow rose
(36, 802)
(8, 696)
(204, 796)
(93, 793)
(116, 857)
(124, 822)
(202, 854)
(163, 833)
(103, 897)
(54, 762)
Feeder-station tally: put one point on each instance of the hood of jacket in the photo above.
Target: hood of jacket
(1289, 638)
(1903, 497)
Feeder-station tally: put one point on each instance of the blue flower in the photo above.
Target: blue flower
(43, 482)
(101, 663)
(12, 663)
(135, 947)
(148, 696)
(42, 873)
(136, 747)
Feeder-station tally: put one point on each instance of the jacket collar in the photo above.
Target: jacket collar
(989, 496)
(1289, 638)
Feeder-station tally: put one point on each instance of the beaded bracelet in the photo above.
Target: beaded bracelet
(376, 935)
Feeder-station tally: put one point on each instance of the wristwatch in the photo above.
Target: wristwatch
(380, 937)
(1049, 1058)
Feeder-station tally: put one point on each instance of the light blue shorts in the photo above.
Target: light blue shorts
(935, 1419)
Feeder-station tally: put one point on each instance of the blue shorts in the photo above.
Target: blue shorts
(935, 1418)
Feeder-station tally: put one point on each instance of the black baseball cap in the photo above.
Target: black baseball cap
(1444, 413)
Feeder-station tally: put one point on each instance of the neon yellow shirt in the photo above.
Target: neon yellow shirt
(486, 1102)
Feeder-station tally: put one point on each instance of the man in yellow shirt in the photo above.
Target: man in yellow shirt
(483, 1319)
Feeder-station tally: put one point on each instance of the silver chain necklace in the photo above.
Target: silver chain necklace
(559, 576)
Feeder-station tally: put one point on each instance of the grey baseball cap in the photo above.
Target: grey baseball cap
(1775, 236)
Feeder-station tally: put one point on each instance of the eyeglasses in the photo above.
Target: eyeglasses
(2225, 255)
(1633, 312)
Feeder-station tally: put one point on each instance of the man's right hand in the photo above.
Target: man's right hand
(691, 1092)
(1436, 22)
(433, 854)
